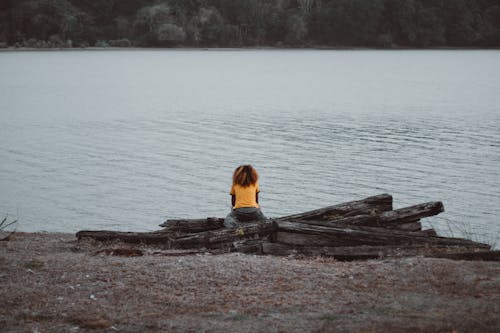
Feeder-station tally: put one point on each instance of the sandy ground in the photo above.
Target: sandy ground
(52, 283)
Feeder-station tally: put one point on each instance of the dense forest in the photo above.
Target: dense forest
(249, 23)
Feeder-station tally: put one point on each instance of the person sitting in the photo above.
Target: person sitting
(244, 198)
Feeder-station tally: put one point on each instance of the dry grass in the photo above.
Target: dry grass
(51, 283)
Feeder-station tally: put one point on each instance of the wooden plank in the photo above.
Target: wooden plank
(367, 206)
(155, 237)
(360, 220)
(355, 235)
(349, 253)
(208, 239)
(211, 239)
(411, 213)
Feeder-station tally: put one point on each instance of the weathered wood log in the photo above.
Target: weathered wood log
(354, 230)
(362, 221)
(154, 237)
(411, 213)
(211, 239)
(406, 218)
(208, 239)
(300, 234)
(343, 253)
(359, 220)
(250, 246)
(193, 225)
(368, 206)
(349, 253)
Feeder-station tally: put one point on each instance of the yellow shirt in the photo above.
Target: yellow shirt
(245, 196)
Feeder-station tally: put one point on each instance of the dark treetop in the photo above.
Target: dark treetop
(250, 23)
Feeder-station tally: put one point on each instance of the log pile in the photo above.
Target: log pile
(363, 229)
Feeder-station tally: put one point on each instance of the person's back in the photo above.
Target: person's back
(244, 197)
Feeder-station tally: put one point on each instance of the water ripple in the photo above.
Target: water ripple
(128, 159)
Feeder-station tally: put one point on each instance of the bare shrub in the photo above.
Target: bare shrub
(3, 227)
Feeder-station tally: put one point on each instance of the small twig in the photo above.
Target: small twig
(5, 226)
(3, 221)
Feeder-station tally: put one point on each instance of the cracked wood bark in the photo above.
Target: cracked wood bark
(250, 246)
(404, 218)
(211, 239)
(367, 206)
(154, 237)
(193, 225)
(411, 213)
(208, 239)
(303, 234)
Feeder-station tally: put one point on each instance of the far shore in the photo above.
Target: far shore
(51, 282)
(272, 48)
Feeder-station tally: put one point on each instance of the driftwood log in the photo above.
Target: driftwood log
(206, 239)
(370, 205)
(354, 230)
(225, 237)
(304, 234)
(350, 253)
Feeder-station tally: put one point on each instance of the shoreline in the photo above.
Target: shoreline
(53, 283)
(263, 48)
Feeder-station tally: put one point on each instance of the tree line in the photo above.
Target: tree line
(250, 23)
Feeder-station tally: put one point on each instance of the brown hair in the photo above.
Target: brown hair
(245, 175)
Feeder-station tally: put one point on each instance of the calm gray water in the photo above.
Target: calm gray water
(124, 139)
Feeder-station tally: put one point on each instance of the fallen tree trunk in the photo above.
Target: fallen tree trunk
(300, 234)
(362, 229)
(363, 252)
(371, 211)
(213, 239)
(406, 218)
(411, 213)
(364, 221)
(358, 220)
(154, 237)
(368, 206)
(208, 239)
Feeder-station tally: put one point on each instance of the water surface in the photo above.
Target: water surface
(124, 139)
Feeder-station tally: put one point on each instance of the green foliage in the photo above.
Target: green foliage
(296, 30)
(124, 42)
(171, 33)
(101, 43)
(381, 23)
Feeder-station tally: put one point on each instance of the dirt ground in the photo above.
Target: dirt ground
(52, 283)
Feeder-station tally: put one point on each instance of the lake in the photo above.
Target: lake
(124, 139)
